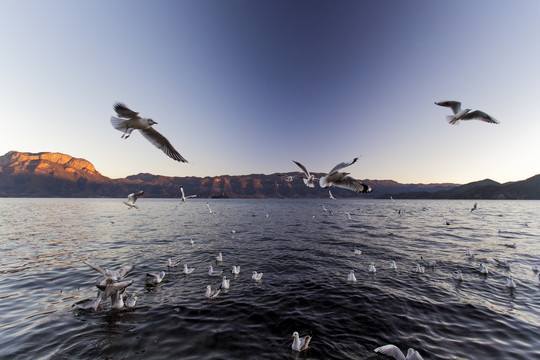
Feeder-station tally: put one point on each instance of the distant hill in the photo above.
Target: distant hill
(528, 189)
(59, 175)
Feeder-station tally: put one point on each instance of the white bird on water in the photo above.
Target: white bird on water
(357, 252)
(171, 263)
(483, 269)
(209, 294)
(309, 179)
(131, 300)
(343, 180)
(255, 276)
(371, 268)
(212, 272)
(129, 120)
(188, 270)
(225, 284)
(351, 277)
(457, 275)
(219, 258)
(235, 269)
(502, 263)
(465, 114)
(393, 351)
(419, 269)
(393, 265)
(469, 255)
(154, 278)
(132, 198)
(510, 283)
(300, 343)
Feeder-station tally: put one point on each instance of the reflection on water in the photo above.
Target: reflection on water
(305, 255)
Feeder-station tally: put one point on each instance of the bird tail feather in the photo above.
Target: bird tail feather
(118, 123)
(452, 120)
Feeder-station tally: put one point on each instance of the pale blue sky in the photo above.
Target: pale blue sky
(242, 87)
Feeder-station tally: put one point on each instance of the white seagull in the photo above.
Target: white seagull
(255, 276)
(171, 263)
(309, 179)
(457, 275)
(154, 278)
(235, 269)
(112, 275)
(212, 272)
(419, 269)
(393, 265)
(351, 277)
(129, 120)
(184, 197)
(510, 283)
(483, 269)
(209, 209)
(191, 242)
(469, 255)
(357, 252)
(466, 114)
(330, 195)
(209, 294)
(187, 270)
(393, 351)
(371, 268)
(131, 300)
(225, 283)
(132, 198)
(219, 258)
(300, 343)
(503, 263)
(343, 180)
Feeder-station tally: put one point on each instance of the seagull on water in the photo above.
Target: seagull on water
(255, 276)
(469, 255)
(510, 283)
(393, 351)
(343, 180)
(300, 343)
(132, 198)
(129, 120)
(219, 258)
(348, 215)
(188, 270)
(191, 242)
(457, 275)
(131, 300)
(483, 269)
(357, 252)
(212, 272)
(351, 277)
(225, 283)
(465, 114)
(428, 263)
(371, 268)
(393, 265)
(309, 179)
(502, 263)
(419, 269)
(235, 269)
(154, 278)
(171, 263)
(209, 294)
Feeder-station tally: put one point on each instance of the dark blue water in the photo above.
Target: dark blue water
(305, 255)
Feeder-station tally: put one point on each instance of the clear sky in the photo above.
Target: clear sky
(243, 87)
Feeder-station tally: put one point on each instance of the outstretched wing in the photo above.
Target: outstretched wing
(123, 111)
(98, 268)
(454, 105)
(343, 165)
(480, 115)
(303, 168)
(390, 350)
(162, 143)
(352, 184)
(124, 271)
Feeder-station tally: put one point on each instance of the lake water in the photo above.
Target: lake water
(305, 255)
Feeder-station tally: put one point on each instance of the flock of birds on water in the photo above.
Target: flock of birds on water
(114, 285)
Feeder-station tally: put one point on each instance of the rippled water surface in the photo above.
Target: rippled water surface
(305, 255)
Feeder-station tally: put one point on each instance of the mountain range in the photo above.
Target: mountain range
(58, 175)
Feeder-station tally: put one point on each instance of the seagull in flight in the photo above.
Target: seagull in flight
(309, 179)
(129, 120)
(132, 198)
(184, 197)
(474, 207)
(343, 180)
(465, 114)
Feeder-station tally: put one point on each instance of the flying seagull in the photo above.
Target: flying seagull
(465, 114)
(309, 178)
(132, 198)
(184, 197)
(129, 120)
(343, 180)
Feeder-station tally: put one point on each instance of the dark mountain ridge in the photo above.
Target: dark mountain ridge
(59, 175)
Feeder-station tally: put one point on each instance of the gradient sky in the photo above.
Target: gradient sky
(242, 87)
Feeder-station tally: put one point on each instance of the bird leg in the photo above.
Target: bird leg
(127, 133)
